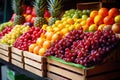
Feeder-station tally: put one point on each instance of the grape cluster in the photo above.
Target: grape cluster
(85, 48)
(5, 31)
(30, 37)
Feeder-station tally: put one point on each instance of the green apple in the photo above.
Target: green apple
(84, 17)
(117, 19)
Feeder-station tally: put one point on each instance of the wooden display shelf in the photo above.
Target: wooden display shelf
(35, 64)
(5, 52)
(17, 57)
(109, 69)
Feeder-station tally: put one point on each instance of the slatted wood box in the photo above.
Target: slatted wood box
(17, 57)
(109, 69)
(35, 64)
(5, 52)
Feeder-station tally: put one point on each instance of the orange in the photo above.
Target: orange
(36, 49)
(108, 20)
(93, 13)
(70, 21)
(42, 51)
(46, 44)
(98, 20)
(28, 18)
(113, 12)
(57, 22)
(40, 41)
(49, 35)
(100, 27)
(89, 21)
(31, 47)
(103, 12)
(56, 36)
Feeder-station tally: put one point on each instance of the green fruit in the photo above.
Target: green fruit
(84, 17)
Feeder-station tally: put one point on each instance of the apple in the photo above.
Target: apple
(117, 19)
(84, 17)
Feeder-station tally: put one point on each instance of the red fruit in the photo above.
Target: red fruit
(113, 12)
(108, 20)
(47, 14)
(33, 12)
(90, 21)
(33, 19)
(103, 12)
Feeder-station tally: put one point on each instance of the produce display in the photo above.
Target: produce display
(85, 48)
(16, 32)
(28, 38)
(82, 37)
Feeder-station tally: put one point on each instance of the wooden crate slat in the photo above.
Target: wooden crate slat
(6, 58)
(78, 70)
(17, 63)
(5, 47)
(103, 68)
(65, 73)
(55, 77)
(16, 57)
(17, 51)
(4, 52)
(33, 70)
(32, 56)
(33, 63)
(109, 76)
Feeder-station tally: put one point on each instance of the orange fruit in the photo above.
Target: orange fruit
(57, 22)
(42, 51)
(93, 13)
(103, 12)
(98, 20)
(31, 47)
(93, 27)
(70, 21)
(113, 12)
(108, 20)
(49, 35)
(28, 18)
(36, 49)
(46, 44)
(56, 36)
(100, 27)
(89, 21)
(40, 41)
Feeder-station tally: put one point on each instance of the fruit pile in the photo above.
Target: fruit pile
(28, 38)
(5, 31)
(16, 32)
(102, 17)
(72, 13)
(85, 48)
(6, 24)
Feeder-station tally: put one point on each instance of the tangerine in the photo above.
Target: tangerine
(36, 49)
(113, 12)
(103, 12)
(108, 20)
(31, 47)
(93, 13)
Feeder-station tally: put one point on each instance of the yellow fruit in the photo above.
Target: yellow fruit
(93, 27)
(83, 22)
(40, 41)
(42, 51)
(46, 44)
(70, 21)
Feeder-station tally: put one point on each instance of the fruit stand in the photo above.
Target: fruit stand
(75, 44)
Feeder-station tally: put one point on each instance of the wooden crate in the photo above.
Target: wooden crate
(60, 71)
(108, 70)
(5, 52)
(17, 57)
(35, 64)
(89, 5)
